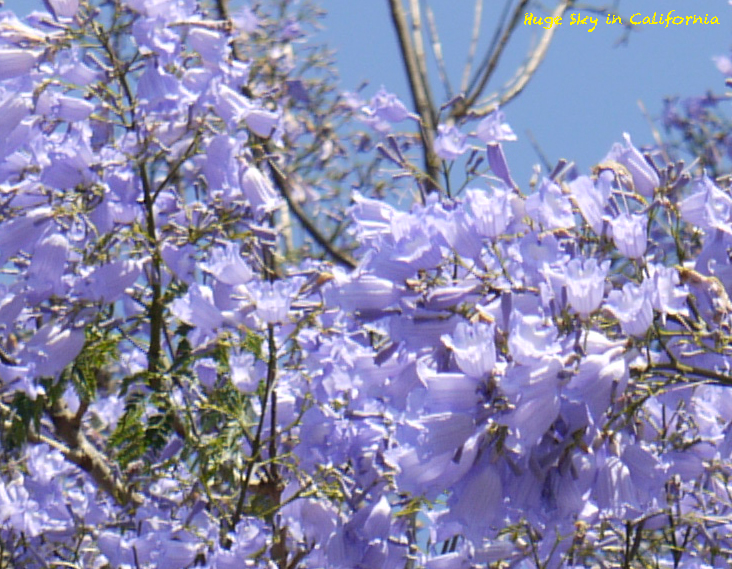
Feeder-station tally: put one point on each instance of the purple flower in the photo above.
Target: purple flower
(585, 282)
(493, 128)
(62, 8)
(632, 307)
(499, 165)
(259, 190)
(221, 165)
(311, 518)
(629, 234)
(273, 300)
(707, 207)
(244, 376)
(47, 268)
(473, 346)
(550, 207)
(17, 62)
(160, 91)
(477, 502)
(667, 296)
(531, 338)
(361, 291)
(52, 348)
(22, 233)
(450, 142)
(645, 178)
(180, 260)
(206, 371)
(261, 121)
(384, 110)
(227, 266)
(212, 45)
(230, 106)
(21, 378)
(197, 308)
(19, 510)
(109, 282)
(492, 213)
(533, 391)
(591, 200)
(448, 392)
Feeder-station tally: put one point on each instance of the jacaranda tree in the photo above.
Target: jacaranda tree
(216, 355)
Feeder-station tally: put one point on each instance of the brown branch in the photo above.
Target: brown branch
(285, 187)
(420, 53)
(77, 449)
(462, 108)
(419, 89)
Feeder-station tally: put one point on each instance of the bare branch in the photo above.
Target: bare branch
(419, 88)
(526, 72)
(490, 67)
(416, 14)
(475, 34)
(437, 50)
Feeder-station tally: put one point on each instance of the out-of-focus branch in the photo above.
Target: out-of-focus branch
(474, 36)
(527, 71)
(419, 87)
(415, 13)
(462, 108)
(437, 50)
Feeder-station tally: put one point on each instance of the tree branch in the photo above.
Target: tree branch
(419, 89)
(475, 34)
(527, 71)
(285, 187)
(77, 449)
(462, 108)
(437, 50)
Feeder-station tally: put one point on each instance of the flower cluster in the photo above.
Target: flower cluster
(525, 378)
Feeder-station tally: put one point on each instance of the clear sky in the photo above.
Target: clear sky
(586, 93)
(583, 97)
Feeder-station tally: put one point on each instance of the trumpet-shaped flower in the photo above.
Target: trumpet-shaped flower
(494, 128)
(632, 307)
(629, 234)
(645, 177)
(585, 283)
(473, 346)
(450, 142)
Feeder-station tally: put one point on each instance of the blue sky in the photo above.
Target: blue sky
(583, 97)
(586, 93)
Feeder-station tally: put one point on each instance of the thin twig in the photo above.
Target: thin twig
(526, 72)
(490, 67)
(437, 50)
(475, 34)
(543, 157)
(654, 132)
(285, 186)
(492, 45)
